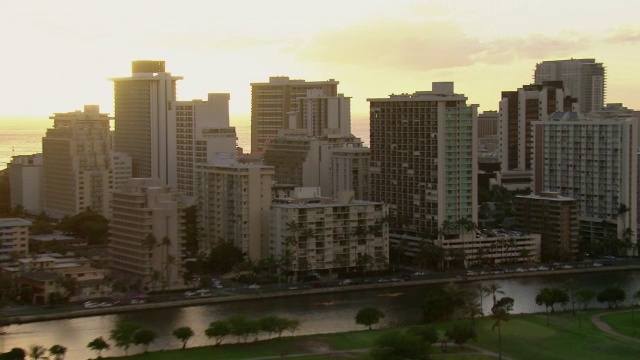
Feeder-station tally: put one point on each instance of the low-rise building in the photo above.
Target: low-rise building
(14, 237)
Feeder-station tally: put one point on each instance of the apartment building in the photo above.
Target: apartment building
(14, 237)
(146, 234)
(424, 160)
(76, 166)
(25, 177)
(323, 235)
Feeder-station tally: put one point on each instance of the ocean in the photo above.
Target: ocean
(23, 136)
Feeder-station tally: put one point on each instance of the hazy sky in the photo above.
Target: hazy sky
(58, 55)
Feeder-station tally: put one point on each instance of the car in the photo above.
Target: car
(120, 303)
(105, 304)
(543, 268)
(137, 301)
(597, 264)
(566, 267)
(471, 273)
(345, 282)
(520, 270)
(418, 273)
(90, 304)
(254, 286)
(189, 293)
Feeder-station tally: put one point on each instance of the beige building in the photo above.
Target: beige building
(121, 165)
(202, 134)
(14, 237)
(500, 248)
(233, 200)
(46, 274)
(324, 235)
(77, 171)
(350, 170)
(272, 102)
(306, 161)
(143, 128)
(555, 218)
(146, 235)
(25, 177)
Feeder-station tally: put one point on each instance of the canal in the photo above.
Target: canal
(321, 313)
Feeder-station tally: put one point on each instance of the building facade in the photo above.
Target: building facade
(595, 162)
(202, 134)
(271, 103)
(77, 171)
(321, 235)
(583, 79)
(25, 177)
(555, 218)
(143, 128)
(424, 161)
(14, 237)
(350, 170)
(147, 235)
(233, 202)
(306, 161)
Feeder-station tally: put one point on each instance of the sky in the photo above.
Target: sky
(58, 55)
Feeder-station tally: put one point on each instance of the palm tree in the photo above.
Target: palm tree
(57, 351)
(493, 289)
(36, 351)
(481, 291)
(170, 261)
(98, 345)
(499, 315)
(471, 307)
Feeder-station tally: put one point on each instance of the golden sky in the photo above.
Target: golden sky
(58, 55)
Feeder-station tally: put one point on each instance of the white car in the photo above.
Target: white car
(254, 286)
(91, 305)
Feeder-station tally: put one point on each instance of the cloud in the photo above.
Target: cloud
(429, 45)
(628, 34)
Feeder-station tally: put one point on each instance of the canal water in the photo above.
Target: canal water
(323, 313)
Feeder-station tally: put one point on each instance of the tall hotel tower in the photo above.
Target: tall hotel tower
(271, 103)
(142, 125)
(77, 172)
(583, 79)
(423, 160)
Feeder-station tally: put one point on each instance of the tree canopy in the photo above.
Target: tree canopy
(369, 316)
(612, 295)
(88, 225)
(183, 333)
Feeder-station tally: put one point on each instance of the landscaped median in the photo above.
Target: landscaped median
(524, 336)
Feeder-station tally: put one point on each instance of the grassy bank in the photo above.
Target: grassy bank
(625, 323)
(525, 336)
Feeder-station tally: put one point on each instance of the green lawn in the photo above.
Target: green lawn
(567, 337)
(625, 323)
(524, 337)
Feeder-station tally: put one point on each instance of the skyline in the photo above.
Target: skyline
(68, 50)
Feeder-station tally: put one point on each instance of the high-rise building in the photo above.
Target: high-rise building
(323, 235)
(121, 164)
(147, 234)
(233, 201)
(319, 114)
(595, 162)
(77, 171)
(424, 160)
(202, 134)
(25, 177)
(306, 161)
(350, 170)
(583, 79)
(487, 124)
(518, 110)
(143, 128)
(555, 218)
(271, 103)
